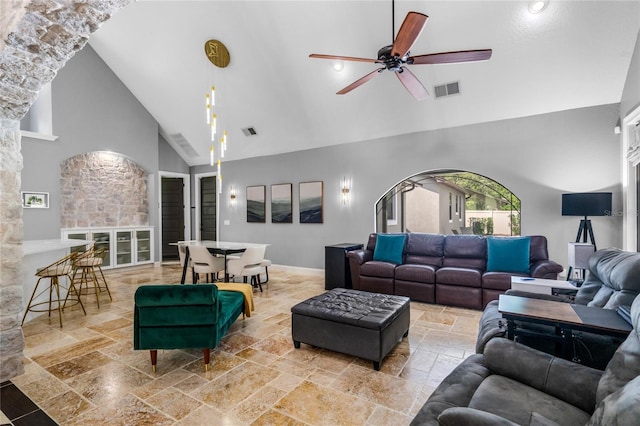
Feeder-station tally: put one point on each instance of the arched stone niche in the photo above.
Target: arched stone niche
(103, 189)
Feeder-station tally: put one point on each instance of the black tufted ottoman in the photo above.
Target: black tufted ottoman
(353, 322)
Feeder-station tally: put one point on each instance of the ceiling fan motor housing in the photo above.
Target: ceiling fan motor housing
(392, 63)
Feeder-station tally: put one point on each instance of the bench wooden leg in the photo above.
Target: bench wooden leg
(154, 359)
(207, 356)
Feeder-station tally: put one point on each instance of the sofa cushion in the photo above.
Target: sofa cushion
(389, 248)
(459, 276)
(424, 249)
(498, 280)
(377, 269)
(465, 251)
(416, 273)
(612, 280)
(516, 401)
(508, 254)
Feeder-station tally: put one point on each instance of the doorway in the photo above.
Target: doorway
(174, 195)
(206, 202)
(208, 209)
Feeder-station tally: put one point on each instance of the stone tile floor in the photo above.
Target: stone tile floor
(88, 373)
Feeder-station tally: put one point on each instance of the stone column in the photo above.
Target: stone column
(11, 337)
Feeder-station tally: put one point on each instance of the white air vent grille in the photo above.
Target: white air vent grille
(184, 144)
(447, 89)
(249, 131)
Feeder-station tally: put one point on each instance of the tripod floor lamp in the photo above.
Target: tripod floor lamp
(584, 204)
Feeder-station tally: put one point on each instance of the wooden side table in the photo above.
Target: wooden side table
(336, 265)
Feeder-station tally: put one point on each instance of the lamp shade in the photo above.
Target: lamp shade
(579, 254)
(586, 204)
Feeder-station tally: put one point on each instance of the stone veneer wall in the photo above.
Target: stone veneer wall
(11, 338)
(102, 189)
(37, 38)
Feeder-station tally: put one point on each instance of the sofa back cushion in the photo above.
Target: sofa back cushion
(371, 242)
(538, 248)
(465, 251)
(424, 249)
(612, 280)
(625, 363)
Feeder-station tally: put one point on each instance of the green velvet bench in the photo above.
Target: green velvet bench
(174, 316)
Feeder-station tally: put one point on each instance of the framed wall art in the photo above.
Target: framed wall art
(281, 209)
(35, 200)
(311, 202)
(256, 203)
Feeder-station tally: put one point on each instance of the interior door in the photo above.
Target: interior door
(208, 229)
(172, 216)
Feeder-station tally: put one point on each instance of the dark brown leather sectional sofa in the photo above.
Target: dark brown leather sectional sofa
(444, 269)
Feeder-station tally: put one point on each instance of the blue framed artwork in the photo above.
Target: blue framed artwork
(311, 201)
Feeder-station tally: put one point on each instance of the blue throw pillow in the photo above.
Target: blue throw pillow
(508, 254)
(389, 248)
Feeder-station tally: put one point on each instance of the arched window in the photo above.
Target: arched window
(449, 202)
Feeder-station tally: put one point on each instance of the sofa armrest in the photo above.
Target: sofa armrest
(563, 379)
(465, 416)
(360, 256)
(356, 259)
(547, 269)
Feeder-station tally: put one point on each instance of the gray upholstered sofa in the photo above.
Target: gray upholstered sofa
(613, 280)
(445, 269)
(512, 384)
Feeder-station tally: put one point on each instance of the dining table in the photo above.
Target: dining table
(223, 248)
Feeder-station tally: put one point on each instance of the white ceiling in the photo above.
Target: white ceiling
(574, 54)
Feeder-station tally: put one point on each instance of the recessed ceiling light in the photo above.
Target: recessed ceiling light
(338, 66)
(538, 6)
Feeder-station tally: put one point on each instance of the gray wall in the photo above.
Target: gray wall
(538, 158)
(92, 111)
(168, 158)
(631, 94)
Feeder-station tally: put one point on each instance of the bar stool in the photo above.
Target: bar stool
(55, 271)
(86, 263)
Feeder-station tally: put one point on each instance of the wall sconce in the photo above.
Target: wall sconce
(345, 188)
(232, 196)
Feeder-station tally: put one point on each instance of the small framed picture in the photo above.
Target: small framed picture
(35, 200)
(256, 203)
(281, 210)
(311, 202)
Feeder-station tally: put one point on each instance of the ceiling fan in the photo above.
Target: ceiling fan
(395, 57)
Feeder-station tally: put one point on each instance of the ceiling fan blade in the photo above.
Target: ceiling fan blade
(342, 58)
(412, 84)
(359, 82)
(408, 33)
(451, 57)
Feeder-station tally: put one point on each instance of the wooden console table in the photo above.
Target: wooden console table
(564, 317)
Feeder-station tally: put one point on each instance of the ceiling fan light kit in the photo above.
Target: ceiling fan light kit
(396, 57)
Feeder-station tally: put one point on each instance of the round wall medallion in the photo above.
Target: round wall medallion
(217, 53)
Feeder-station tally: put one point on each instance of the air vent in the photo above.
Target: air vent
(184, 145)
(447, 89)
(249, 131)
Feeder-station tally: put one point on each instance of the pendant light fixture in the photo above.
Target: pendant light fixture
(218, 55)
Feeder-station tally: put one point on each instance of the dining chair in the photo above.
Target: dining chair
(248, 265)
(203, 262)
(55, 272)
(182, 253)
(87, 264)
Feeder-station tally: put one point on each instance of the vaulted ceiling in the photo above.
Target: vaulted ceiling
(573, 54)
